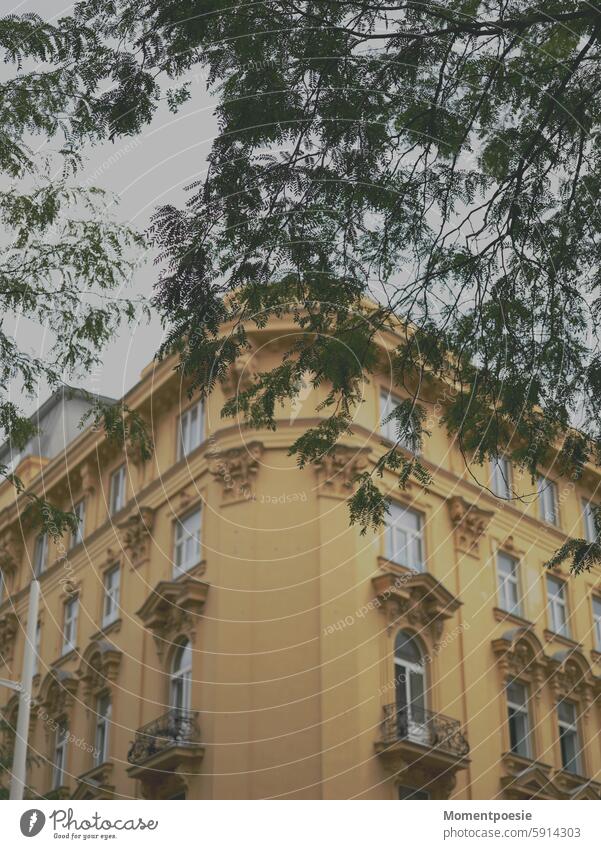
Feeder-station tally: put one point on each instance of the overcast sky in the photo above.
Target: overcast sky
(144, 172)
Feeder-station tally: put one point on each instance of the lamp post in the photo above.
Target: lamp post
(23, 687)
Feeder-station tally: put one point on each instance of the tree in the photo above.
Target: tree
(64, 257)
(441, 157)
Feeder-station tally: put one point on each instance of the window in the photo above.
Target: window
(590, 531)
(558, 607)
(70, 624)
(103, 718)
(410, 689)
(38, 642)
(500, 477)
(112, 580)
(117, 490)
(509, 583)
(519, 719)
(187, 543)
(40, 554)
(80, 512)
(59, 761)
(568, 736)
(547, 499)
(412, 793)
(404, 542)
(181, 677)
(1, 586)
(190, 431)
(597, 621)
(389, 429)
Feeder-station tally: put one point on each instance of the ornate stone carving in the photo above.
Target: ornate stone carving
(470, 523)
(89, 476)
(8, 629)
(136, 535)
(57, 693)
(415, 598)
(172, 609)
(336, 471)
(239, 375)
(99, 666)
(97, 783)
(519, 654)
(570, 676)
(235, 469)
(11, 551)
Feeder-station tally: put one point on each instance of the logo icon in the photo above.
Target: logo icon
(32, 822)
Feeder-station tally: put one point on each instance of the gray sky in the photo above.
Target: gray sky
(144, 172)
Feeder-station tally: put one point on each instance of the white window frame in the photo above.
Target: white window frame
(596, 605)
(590, 532)
(388, 430)
(414, 539)
(70, 615)
(187, 549)
(501, 477)
(572, 728)
(117, 490)
(102, 732)
(190, 434)
(548, 501)
(80, 511)
(523, 709)
(558, 603)
(112, 589)
(507, 579)
(40, 554)
(180, 680)
(59, 764)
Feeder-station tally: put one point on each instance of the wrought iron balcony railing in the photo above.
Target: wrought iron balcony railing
(175, 728)
(408, 722)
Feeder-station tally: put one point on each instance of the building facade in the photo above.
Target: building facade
(216, 629)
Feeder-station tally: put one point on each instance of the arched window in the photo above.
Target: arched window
(181, 677)
(410, 688)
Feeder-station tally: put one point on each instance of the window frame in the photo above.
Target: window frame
(70, 617)
(522, 709)
(110, 616)
(415, 539)
(117, 474)
(574, 729)
(102, 728)
(555, 601)
(588, 520)
(547, 488)
(180, 679)
(497, 476)
(596, 600)
(60, 753)
(514, 580)
(186, 415)
(180, 539)
(40, 554)
(77, 537)
(387, 402)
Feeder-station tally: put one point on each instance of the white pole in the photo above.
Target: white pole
(17, 784)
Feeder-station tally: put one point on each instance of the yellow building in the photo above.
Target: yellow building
(217, 630)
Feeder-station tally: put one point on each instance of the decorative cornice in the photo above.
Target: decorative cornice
(337, 470)
(99, 667)
(416, 598)
(470, 523)
(172, 609)
(136, 534)
(236, 469)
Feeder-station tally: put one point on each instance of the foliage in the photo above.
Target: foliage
(442, 158)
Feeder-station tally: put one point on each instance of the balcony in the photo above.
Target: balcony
(422, 748)
(168, 745)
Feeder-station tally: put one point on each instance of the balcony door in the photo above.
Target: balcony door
(410, 689)
(181, 678)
